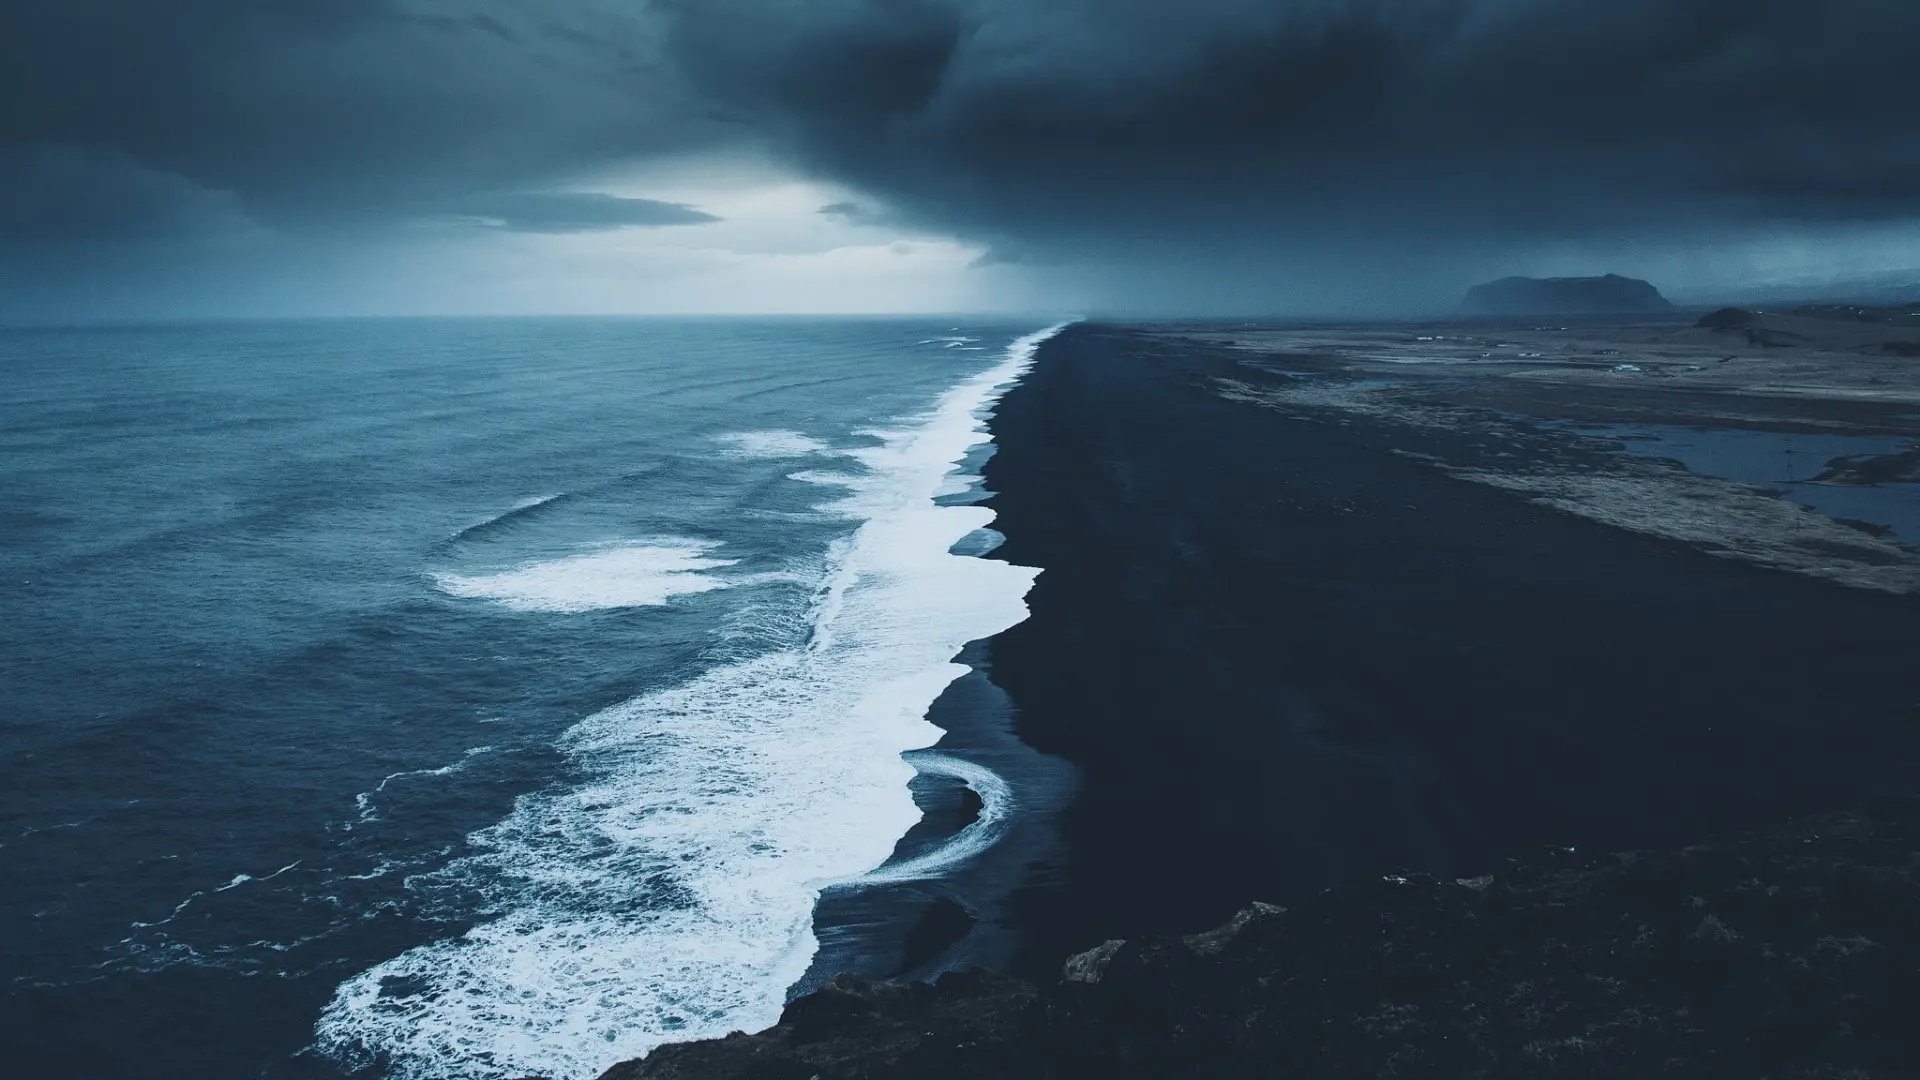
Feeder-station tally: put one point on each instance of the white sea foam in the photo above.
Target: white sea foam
(644, 574)
(519, 509)
(364, 800)
(670, 895)
(996, 803)
(242, 879)
(771, 444)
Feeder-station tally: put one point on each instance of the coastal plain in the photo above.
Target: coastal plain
(1467, 605)
(1719, 419)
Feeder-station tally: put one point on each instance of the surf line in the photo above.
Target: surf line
(667, 892)
(996, 808)
(997, 800)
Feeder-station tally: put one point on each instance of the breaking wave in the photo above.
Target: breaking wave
(669, 894)
(770, 444)
(632, 575)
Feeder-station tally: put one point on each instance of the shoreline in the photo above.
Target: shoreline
(964, 917)
(941, 901)
(1294, 657)
(1786, 953)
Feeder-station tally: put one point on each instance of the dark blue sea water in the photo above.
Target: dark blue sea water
(478, 698)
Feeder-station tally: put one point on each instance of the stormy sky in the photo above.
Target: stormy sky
(200, 157)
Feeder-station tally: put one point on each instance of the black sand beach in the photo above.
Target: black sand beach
(1421, 730)
(1288, 654)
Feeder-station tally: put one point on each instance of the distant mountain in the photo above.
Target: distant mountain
(1610, 295)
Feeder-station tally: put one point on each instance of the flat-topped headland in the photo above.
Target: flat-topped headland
(1607, 294)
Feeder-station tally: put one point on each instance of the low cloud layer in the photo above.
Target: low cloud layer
(1341, 153)
(1373, 143)
(62, 193)
(572, 212)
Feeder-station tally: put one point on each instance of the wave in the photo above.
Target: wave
(771, 444)
(518, 512)
(241, 879)
(996, 806)
(645, 574)
(670, 894)
(364, 801)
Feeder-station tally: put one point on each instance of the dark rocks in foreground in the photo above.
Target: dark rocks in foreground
(1795, 954)
(1609, 295)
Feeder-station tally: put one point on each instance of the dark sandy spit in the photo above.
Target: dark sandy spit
(1306, 627)
(1292, 650)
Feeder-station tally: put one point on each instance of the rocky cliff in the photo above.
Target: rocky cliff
(1788, 954)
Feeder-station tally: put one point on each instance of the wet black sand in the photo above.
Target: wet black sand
(959, 917)
(1285, 657)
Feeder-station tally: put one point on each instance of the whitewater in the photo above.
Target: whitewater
(666, 891)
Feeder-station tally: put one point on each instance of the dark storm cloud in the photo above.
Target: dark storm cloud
(572, 212)
(66, 193)
(1526, 113)
(1135, 137)
(344, 110)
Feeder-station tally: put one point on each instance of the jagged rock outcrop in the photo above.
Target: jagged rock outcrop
(1609, 295)
(1793, 954)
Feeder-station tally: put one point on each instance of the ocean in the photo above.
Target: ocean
(491, 698)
